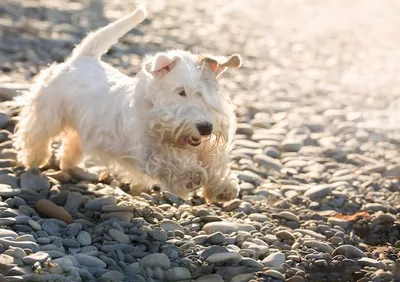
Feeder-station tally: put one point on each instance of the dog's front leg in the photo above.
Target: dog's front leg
(177, 171)
(222, 184)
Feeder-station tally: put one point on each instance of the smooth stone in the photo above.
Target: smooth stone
(224, 257)
(51, 210)
(83, 175)
(17, 253)
(154, 260)
(210, 278)
(392, 172)
(168, 225)
(20, 244)
(159, 235)
(216, 238)
(291, 145)
(340, 222)
(251, 263)
(231, 205)
(6, 263)
(177, 274)
(258, 217)
(98, 203)
(319, 246)
(274, 260)
(35, 257)
(51, 227)
(349, 251)
(259, 249)
(213, 250)
(226, 227)
(7, 221)
(268, 162)
(311, 233)
(84, 238)
(275, 274)
(74, 201)
(70, 243)
(90, 261)
(318, 192)
(35, 225)
(7, 233)
(365, 261)
(289, 216)
(7, 191)
(113, 275)
(125, 216)
(35, 181)
(119, 236)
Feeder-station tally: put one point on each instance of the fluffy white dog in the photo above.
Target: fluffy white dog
(169, 124)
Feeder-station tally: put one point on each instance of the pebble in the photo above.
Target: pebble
(268, 162)
(319, 246)
(349, 251)
(275, 274)
(7, 191)
(35, 257)
(224, 257)
(20, 244)
(274, 260)
(226, 227)
(318, 192)
(7, 233)
(73, 202)
(119, 236)
(98, 203)
(113, 276)
(50, 209)
(35, 181)
(154, 260)
(89, 261)
(168, 225)
(7, 221)
(289, 216)
(210, 278)
(364, 261)
(177, 274)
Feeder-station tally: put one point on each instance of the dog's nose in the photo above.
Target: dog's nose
(204, 128)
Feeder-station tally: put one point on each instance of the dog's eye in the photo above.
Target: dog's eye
(182, 93)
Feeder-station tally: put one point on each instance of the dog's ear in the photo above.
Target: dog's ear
(161, 64)
(218, 64)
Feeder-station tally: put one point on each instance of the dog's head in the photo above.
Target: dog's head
(186, 107)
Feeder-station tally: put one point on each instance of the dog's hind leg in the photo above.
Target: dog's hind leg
(39, 123)
(71, 151)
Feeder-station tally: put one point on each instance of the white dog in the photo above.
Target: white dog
(169, 124)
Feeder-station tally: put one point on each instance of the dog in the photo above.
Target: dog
(168, 125)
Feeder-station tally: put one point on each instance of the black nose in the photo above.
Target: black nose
(204, 128)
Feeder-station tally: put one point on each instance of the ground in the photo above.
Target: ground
(317, 148)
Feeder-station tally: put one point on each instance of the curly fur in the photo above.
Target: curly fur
(137, 125)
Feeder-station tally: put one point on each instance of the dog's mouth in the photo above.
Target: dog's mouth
(189, 140)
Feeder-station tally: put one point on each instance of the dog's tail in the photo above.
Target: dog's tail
(98, 42)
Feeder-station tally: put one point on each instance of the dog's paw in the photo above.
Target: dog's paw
(227, 191)
(197, 179)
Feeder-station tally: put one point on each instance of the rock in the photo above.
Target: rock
(7, 221)
(50, 209)
(258, 248)
(243, 277)
(97, 203)
(213, 250)
(231, 205)
(224, 257)
(258, 217)
(122, 216)
(364, 261)
(113, 275)
(348, 251)
(7, 233)
(20, 244)
(73, 202)
(177, 274)
(210, 278)
(289, 216)
(226, 227)
(392, 171)
(83, 175)
(119, 236)
(168, 225)
(4, 119)
(216, 238)
(36, 226)
(8, 192)
(251, 263)
(319, 246)
(35, 257)
(89, 261)
(51, 227)
(34, 180)
(84, 238)
(274, 260)
(318, 192)
(6, 263)
(159, 235)
(291, 145)
(274, 274)
(268, 162)
(154, 260)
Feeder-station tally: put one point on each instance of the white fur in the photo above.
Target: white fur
(139, 125)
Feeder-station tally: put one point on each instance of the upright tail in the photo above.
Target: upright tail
(98, 42)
